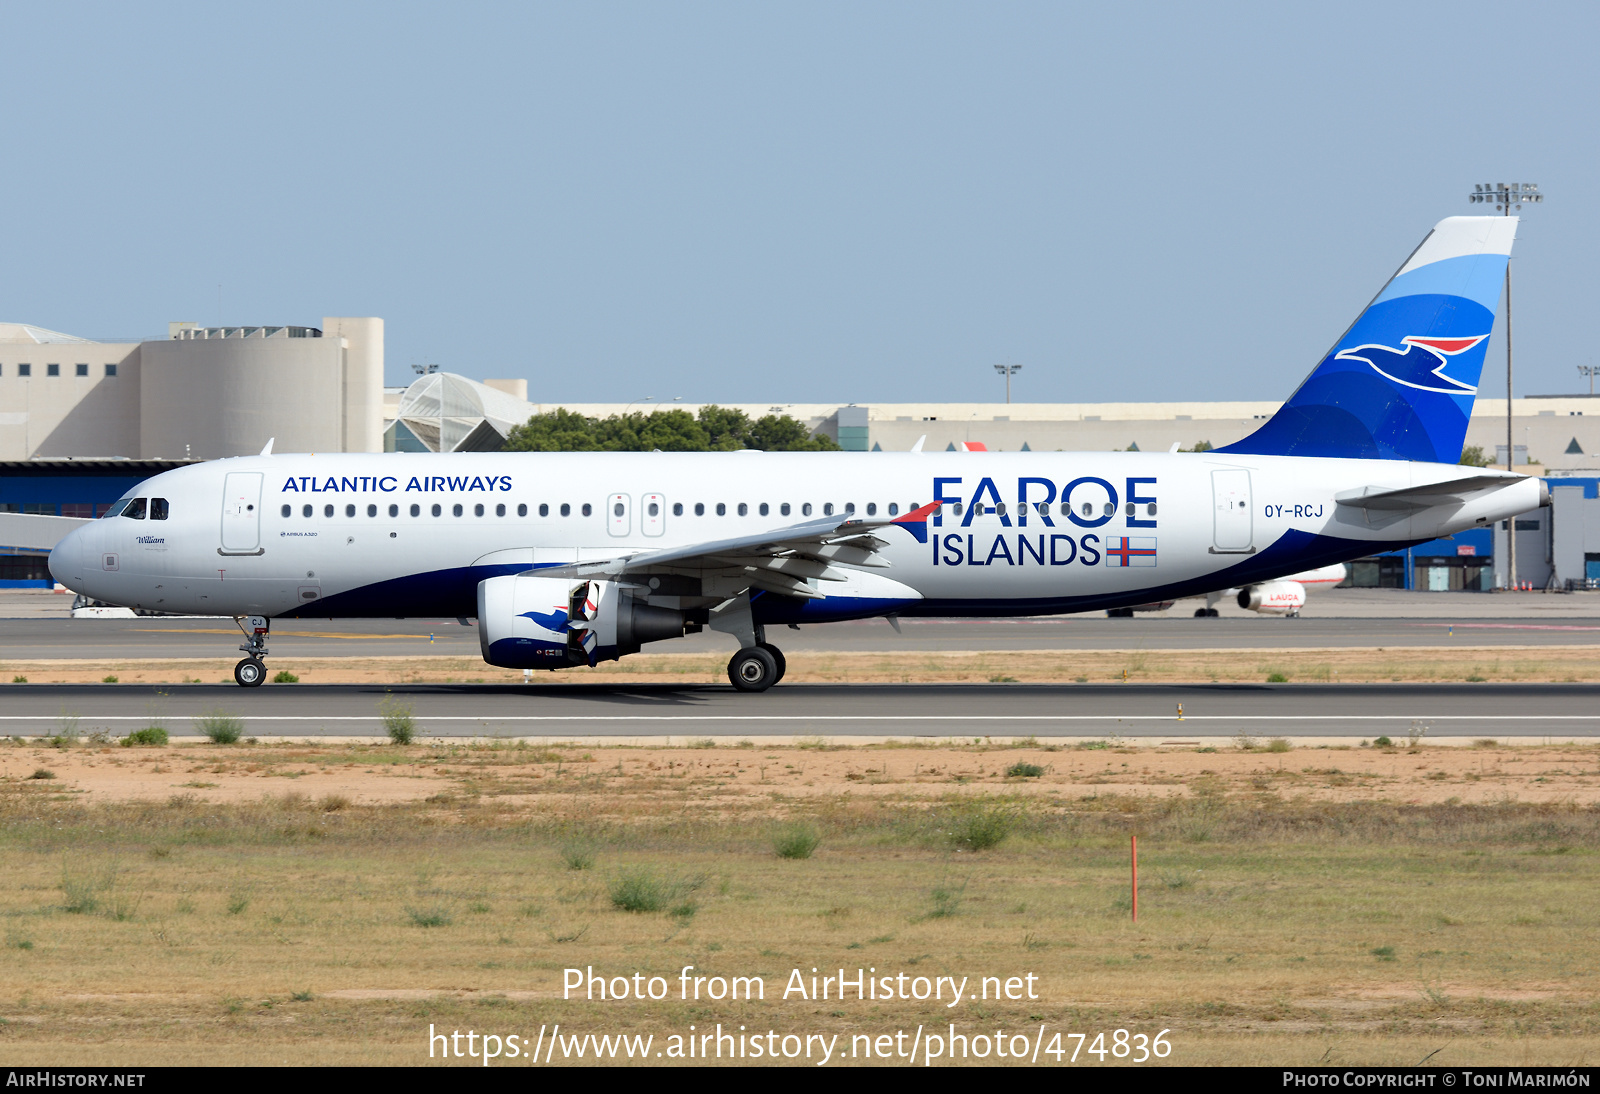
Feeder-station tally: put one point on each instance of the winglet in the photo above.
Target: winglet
(916, 521)
(918, 446)
(267, 451)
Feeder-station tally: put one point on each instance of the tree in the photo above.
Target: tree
(728, 429)
(1472, 456)
(781, 433)
(557, 431)
(714, 429)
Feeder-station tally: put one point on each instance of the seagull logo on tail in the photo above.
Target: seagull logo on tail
(1419, 364)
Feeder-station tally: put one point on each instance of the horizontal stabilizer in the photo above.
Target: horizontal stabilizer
(1421, 497)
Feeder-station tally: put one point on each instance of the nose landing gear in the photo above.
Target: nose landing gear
(252, 671)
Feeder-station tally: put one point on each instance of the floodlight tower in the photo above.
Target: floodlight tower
(1589, 371)
(1008, 371)
(1505, 197)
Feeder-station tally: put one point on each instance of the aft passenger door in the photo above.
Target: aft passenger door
(1231, 531)
(241, 513)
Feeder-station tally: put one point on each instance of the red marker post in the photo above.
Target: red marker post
(1136, 879)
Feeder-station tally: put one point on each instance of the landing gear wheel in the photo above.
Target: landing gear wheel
(753, 669)
(777, 656)
(250, 673)
(1206, 613)
(1119, 613)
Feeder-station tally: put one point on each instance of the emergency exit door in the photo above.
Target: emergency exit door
(241, 513)
(618, 518)
(1231, 531)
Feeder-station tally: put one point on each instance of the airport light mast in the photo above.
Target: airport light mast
(1505, 197)
(1008, 371)
(1589, 371)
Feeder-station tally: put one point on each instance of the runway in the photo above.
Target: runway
(109, 639)
(903, 711)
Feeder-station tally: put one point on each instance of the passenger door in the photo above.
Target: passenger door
(241, 513)
(1231, 531)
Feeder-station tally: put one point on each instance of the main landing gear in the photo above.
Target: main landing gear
(1206, 613)
(756, 668)
(252, 671)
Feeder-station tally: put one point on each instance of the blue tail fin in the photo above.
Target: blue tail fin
(1399, 384)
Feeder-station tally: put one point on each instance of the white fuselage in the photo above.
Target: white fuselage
(413, 534)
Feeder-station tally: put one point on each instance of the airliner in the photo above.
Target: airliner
(568, 559)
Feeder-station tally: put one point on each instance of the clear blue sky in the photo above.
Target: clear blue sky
(802, 202)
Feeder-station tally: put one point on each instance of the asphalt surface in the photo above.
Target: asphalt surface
(109, 639)
(902, 711)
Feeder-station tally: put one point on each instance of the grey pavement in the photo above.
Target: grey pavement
(904, 711)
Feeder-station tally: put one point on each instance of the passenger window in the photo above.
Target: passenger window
(805, 510)
(783, 510)
(827, 508)
(394, 510)
(1066, 509)
(416, 510)
(287, 509)
(456, 510)
(872, 508)
(522, 510)
(677, 508)
(349, 510)
(850, 508)
(1088, 509)
(763, 509)
(1001, 509)
(956, 508)
(1110, 509)
(616, 510)
(744, 510)
(135, 509)
(327, 510)
(544, 510)
(1150, 510)
(894, 508)
(438, 510)
(699, 508)
(477, 510)
(586, 509)
(305, 510)
(372, 510)
(566, 510)
(722, 509)
(158, 508)
(500, 510)
(655, 510)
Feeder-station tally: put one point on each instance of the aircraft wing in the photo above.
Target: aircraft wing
(784, 560)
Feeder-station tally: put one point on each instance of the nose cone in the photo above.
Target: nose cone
(66, 560)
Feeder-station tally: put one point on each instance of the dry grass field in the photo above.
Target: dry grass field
(1527, 664)
(327, 903)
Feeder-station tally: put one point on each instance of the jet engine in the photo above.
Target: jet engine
(530, 622)
(1273, 597)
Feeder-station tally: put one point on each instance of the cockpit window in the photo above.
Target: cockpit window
(135, 509)
(158, 508)
(116, 508)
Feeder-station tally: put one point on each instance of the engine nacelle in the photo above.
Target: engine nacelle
(529, 622)
(1273, 597)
